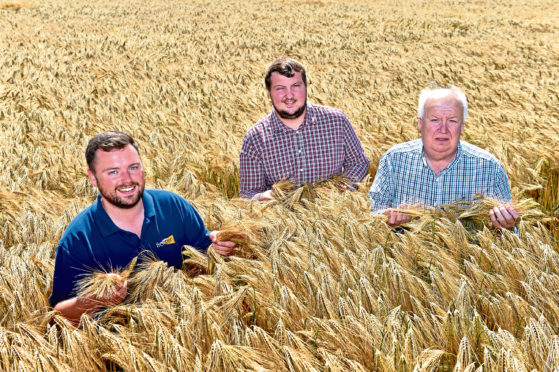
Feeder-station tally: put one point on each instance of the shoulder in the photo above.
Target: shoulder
(406, 148)
(257, 130)
(81, 224)
(325, 111)
(477, 153)
(164, 197)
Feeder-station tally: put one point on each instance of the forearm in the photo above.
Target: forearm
(356, 171)
(250, 194)
(356, 163)
(74, 307)
(258, 196)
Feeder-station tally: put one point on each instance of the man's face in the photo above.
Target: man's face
(288, 95)
(440, 128)
(119, 176)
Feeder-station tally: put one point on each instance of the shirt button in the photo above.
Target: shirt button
(301, 169)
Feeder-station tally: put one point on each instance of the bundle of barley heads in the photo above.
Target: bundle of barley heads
(289, 194)
(102, 284)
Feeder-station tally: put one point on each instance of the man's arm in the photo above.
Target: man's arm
(71, 262)
(253, 183)
(195, 232)
(503, 216)
(380, 193)
(356, 164)
(73, 308)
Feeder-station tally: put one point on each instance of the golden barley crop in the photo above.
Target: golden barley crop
(316, 284)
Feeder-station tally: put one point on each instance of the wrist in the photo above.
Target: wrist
(89, 305)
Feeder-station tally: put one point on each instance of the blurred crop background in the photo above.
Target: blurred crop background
(317, 284)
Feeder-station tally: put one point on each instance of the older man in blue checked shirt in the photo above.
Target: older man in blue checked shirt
(439, 168)
(124, 221)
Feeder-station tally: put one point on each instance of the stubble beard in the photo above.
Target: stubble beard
(286, 115)
(113, 199)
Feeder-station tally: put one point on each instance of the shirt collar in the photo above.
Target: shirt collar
(452, 162)
(279, 126)
(104, 222)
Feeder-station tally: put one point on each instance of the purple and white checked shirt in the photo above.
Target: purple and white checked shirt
(325, 144)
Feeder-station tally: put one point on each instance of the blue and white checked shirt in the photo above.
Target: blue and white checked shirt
(404, 176)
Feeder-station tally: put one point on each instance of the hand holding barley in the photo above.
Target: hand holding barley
(504, 216)
(396, 217)
(105, 289)
(224, 248)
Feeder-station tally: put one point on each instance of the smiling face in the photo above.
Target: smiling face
(288, 95)
(119, 176)
(440, 128)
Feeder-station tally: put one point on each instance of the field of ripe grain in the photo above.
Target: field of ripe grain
(319, 285)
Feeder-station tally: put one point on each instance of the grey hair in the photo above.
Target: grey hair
(428, 93)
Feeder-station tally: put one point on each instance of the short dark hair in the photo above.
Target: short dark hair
(107, 141)
(285, 66)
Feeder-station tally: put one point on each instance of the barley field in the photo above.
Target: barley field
(317, 284)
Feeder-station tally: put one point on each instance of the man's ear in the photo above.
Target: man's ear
(419, 124)
(92, 178)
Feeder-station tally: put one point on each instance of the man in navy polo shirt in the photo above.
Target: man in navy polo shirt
(124, 221)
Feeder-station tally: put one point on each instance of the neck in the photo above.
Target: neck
(293, 123)
(438, 165)
(129, 219)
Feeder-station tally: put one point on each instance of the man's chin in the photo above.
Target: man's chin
(291, 115)
(120, 203)
(287, 115)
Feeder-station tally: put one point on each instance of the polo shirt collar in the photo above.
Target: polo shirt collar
(149, 206)
(279, 126)
(104, 222)
(452, 162)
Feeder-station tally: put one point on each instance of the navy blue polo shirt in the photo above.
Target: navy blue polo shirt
(93, 242)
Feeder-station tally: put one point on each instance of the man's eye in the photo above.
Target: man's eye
(112, 172)
(134, 167)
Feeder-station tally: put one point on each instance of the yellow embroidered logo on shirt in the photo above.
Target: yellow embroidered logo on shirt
(169, 240)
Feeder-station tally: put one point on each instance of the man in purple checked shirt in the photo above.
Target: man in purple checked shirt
(298, 141)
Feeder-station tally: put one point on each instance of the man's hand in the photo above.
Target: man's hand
(504, 216)
(265, 196)
(224, 248)
(117, 294)
(397, 218)
(74, 307)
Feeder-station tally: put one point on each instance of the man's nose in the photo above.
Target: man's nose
(125, 177)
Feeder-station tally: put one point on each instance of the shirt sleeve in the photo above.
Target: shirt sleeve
(502, 188)
(253, 179)
(196, 234)
(380, 193)
(356, 164)
(70, 265)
